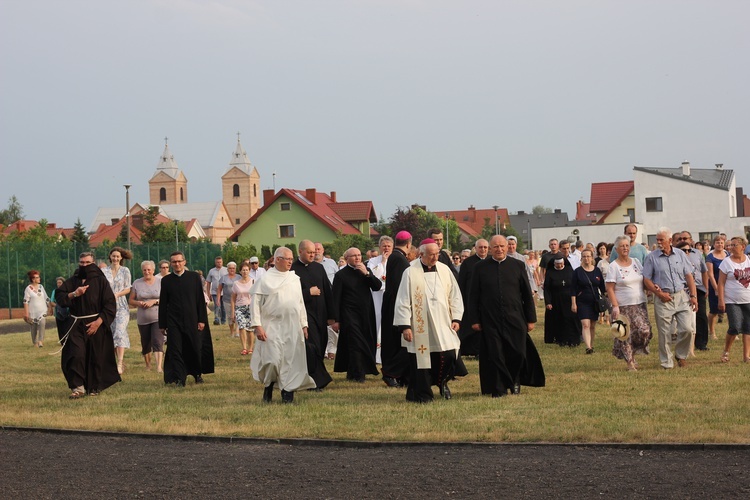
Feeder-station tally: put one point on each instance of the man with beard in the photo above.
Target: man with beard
(318, 299)
(355, 312)
(280, 323)
(395, 358)
(470, 338)
(503, 309)
(183, 319)
(87, 360)
(428, 311)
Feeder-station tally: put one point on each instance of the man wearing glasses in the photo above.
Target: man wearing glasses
(88, 362)
(184, 320)
(255, 270)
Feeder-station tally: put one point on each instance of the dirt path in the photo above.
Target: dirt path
(51, 465)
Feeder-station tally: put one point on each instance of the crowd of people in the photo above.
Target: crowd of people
(412, 328)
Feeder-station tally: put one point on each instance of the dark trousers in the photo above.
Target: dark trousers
(701, 322)
(443, 365)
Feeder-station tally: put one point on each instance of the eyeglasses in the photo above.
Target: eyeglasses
(177, 261)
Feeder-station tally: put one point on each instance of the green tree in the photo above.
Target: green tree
(79, 234)
(540, 209)
(419, 221)
(13, 213)
(237, 253)
(342, 243)
(265, 252)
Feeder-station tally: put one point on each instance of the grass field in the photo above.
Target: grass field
(588, 398)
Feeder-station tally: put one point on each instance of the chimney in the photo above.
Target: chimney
(521, 212)
(267, 196)
(310, 194)
(719, 166)
(558, 211)
(686, 168)
(114, 221)
(333, 196)
(51, 225)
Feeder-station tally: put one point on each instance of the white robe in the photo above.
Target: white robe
(377, 267)
(443, 303)
(278, 307)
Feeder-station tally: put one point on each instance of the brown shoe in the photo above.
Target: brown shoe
(681, 363)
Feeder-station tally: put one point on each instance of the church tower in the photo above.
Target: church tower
(168, 185)
(240, 187)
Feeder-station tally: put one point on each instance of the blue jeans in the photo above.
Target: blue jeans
(220, 314)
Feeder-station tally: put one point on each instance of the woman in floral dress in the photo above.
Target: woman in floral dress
(120, 281)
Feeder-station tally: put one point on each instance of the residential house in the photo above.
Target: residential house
(291, 215)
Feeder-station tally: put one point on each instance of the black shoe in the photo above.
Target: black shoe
(268, 393)
(391, 382)
(198, 379)
(287, 397)
(445, 390)
(497, 395)
(590, 350)
(516, 389)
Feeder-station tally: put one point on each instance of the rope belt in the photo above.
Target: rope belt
(64, 339)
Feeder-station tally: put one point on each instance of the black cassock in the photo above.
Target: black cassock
(469, 338)
(395, 358)
(181, 307)
(355, 312)
(561, 325)
(319, 310)
(502, 302)
(89, 360)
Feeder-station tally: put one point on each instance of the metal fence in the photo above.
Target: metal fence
(61, 259)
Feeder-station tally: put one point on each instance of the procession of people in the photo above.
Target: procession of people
(411, 329)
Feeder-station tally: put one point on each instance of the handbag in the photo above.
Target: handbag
(601, 304)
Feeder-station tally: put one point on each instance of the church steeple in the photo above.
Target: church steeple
(240, 186)
(168, 185)
(167, 164)
(240, 159)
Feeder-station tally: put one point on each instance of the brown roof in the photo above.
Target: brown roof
(472, 220)
(25, 225)
(606, 196)
(354, 211)
(111, 232)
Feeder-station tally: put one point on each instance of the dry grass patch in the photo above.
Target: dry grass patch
(587, 399)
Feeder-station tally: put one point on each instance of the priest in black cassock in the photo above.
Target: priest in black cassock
(316, 292)
(355, 315)
(394, 356)
(437, 235)
(88, 360)
(184, 319)
(469, 338)
(503, 310)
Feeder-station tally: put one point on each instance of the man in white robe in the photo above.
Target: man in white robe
(377, 267)
(428, 311)
(280, 321)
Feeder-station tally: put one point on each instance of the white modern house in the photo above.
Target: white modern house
(704, 201)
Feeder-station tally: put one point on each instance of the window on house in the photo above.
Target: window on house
(236, 221)
(631, 214)
(708, 236)
(653, 204)
(236, 190)
(286, 231)
(255, 190)
(163, 194)
(182, 195)
(285, 206)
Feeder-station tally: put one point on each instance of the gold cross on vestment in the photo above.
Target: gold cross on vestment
(422, 349)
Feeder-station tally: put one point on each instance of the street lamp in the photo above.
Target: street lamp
(447, 238)
(176, 235)
(127, 209)
(497, 228)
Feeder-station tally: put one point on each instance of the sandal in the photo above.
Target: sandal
(76, 394)
(244, 352)
(725, 357)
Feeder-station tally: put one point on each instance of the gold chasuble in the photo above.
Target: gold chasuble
(428, 302)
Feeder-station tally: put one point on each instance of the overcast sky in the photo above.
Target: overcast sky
(447, 104)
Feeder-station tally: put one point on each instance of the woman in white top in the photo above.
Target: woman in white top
(627, 295)
(602, 262)
(241, 307)
(36, 307)
(226, 282)
(734, 296)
